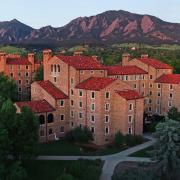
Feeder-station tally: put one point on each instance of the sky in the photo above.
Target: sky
(57, 13)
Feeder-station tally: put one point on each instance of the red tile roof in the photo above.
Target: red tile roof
(82, 62)
(36, 106)
(169, 79)
(155, 63)
(52, 90)
(124, 70)
(95, 83)
(18, 61)
(129, 94)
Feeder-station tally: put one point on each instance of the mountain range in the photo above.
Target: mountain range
(106, 28)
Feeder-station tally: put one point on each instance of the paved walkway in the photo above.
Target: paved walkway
(111, 161)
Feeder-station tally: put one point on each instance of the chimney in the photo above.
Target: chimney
(2, 61)
(144, 56)
(47, 54)
(78, 53)
(31, 60)
(125, 59)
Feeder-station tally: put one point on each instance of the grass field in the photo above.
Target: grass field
(51, 170)
(142, 153)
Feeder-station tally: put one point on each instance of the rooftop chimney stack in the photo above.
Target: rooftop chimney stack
(2, 61)
(125, 59)
(31, 60)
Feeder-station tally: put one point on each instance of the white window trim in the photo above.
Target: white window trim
(79, 104)
(109, 94)
(79, 115)
(71, 90)
(158, 86)
(71, 114)
(63, 103)
(94, 107)
(79, 93)
(91, 118)
(72, 78)
(73, 103)
(60, 117)
(170, 96)
(131, 119)
(109, 107)
(131, 130)
(106, 133)
(159, 94)
(108, 118)
(132, 107)
(94, 95)
(93, 128)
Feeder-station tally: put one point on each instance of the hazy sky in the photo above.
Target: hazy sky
(38, 13)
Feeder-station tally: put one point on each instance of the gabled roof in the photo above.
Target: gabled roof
(95, 83)
(36, 106)
(18, 61)
(129, 94)
(124, 70)
(82, 62)
(169, 79)
(155, 63)
(52, 90)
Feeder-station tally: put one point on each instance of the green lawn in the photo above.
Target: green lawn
(51, 170)
(63, 148)
(142, 153)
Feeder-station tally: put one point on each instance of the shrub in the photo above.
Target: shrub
(80, 135)
(132, 140)
(119, 139)
(65, 176)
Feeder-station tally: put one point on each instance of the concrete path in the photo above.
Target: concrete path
(110, 161)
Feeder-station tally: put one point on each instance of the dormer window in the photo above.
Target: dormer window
(91, 72)
(27, 67)
(107, 95)
(81, 72)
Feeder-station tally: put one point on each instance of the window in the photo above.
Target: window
(72, 113)
(92, 95)
(19, 81)
(52, 68)
(92, 72)
(41, 133)
(41, 119)
(130, 107)
(81, 72)
(143, 85)
(92, 118)
(130, 119)
(107, 95)
(135, 86)
(72, 81)
(58, 68)
(50, 118)
(27, 81)
(72, 124)
(62, 117)
(11, 75)
(55, 68)
(150, 101)
(61, 103)
(150, 93)
(150, 109)
(150, 77)
(80, 93)
(27, 74)
(107, 107)
(19, 74)
(80, 104)
(106, 130)
(101, 71)
(50, 131)
(92, 129)
(72, 103)
(11, 67)
(55, 79)
(19, 89)
(80, 115)
(158, 94)
(170, 86)
(106, 118)
(170, 103)
(92, 107)
(72, 92)
(62, 129)
(130, 130)
(27, 67)
(158, 101)
(170, 95)
(158, 86)
(126, 78)
(150, 85)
